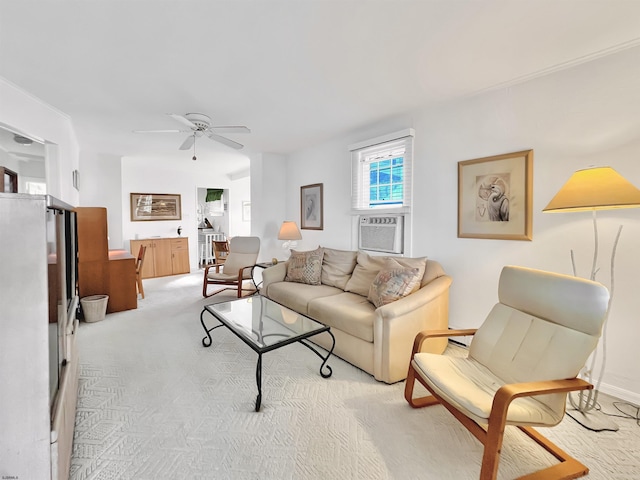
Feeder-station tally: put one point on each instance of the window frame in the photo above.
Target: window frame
(365, 153)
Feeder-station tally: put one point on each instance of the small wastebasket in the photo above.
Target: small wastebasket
(94, 307)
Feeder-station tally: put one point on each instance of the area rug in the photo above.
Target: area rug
(155, 404)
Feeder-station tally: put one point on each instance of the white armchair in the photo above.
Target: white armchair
(522, 362)
(238, 266)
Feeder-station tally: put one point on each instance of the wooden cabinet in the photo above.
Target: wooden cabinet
(180, 255)
(102, 271)
(164, 256)
(93, 251)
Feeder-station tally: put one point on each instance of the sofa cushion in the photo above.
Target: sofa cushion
(305, 267)
(364, 273)
(337, 266)
(432, 271)
(347, 312)
(394, 282)
(297, 296)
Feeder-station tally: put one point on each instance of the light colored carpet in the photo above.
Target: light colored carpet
(155, 404)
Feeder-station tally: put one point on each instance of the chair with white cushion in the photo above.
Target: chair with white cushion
(238, 266)
(522, 361)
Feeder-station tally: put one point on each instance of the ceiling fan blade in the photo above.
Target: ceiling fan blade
(231, 128)
(159, 131)
(224, 140)
(186, 145)
(183, 120)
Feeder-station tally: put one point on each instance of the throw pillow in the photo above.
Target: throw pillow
(419, 263)
(365, 271)
(337, 266)
(393, 282)
(305, 267)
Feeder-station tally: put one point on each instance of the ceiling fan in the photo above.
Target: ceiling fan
(199, 124)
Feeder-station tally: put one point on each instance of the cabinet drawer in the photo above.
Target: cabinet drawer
(179, 244)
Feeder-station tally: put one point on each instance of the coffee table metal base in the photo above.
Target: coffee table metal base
(325, 370)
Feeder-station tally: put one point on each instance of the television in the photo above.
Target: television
(62, 267)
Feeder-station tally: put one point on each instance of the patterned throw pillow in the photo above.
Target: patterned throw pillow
(393, 282)
(305, 267)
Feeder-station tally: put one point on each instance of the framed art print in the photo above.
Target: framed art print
(155, 206)
(311, 209)
(495, 196)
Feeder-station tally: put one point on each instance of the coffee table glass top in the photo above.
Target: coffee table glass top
(264, 324)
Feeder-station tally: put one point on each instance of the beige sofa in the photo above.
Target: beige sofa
(377, 340)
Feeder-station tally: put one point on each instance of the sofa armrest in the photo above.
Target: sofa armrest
(274, 274)
(397, 324)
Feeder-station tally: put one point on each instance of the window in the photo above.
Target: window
(382, 172)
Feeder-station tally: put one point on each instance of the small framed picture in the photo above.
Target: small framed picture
(155, 206)
(246, 211)
(311, 210)
(495, 197)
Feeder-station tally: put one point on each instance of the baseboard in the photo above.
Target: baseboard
(620, 393)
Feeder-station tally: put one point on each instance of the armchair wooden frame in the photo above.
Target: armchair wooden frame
(492, 435)
(139, 264)
(237, 281)
(220, 251)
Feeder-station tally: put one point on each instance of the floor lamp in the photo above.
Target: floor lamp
(593, 189)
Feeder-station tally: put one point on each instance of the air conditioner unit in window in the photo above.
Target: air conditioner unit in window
(381, 233)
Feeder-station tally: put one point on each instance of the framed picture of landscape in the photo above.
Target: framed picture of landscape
(155, 206)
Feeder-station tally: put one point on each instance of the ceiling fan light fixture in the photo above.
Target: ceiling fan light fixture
(199, 125)
(22, 140)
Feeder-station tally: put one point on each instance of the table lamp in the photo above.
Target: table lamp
(289, 232)
(593, 189)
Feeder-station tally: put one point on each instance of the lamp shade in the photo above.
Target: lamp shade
(599, 188)
(289, 231)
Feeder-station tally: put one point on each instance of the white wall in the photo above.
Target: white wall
(26, 114)
(587, 115)
(158, 175)
(100, 184)
(269, 208)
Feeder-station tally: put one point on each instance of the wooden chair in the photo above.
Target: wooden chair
(238, 266)
(220, 253)
(139, 263)
(522, 361)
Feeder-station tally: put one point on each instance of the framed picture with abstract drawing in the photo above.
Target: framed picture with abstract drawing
(495, 197)
(311, 209)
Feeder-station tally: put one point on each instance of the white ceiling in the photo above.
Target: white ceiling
(296, 72)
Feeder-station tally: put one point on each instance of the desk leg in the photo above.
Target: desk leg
(259, 382)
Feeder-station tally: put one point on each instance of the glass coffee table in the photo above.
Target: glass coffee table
(265, 325)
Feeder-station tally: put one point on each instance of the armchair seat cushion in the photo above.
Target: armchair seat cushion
(228, 275)
(471, 387)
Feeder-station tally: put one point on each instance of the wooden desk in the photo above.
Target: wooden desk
(122, 281)
(102, 271)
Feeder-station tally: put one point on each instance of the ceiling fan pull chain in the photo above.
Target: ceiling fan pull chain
(194, 148)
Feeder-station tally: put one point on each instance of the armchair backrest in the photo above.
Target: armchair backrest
(544, 327)
(243, 252)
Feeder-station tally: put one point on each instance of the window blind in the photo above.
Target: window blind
(378, 149)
